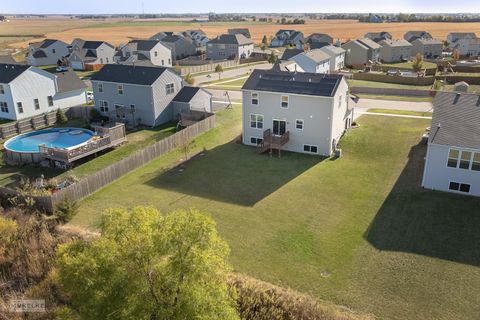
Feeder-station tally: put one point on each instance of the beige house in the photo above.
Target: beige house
(429, 48)
(361, 51)
(395, 50)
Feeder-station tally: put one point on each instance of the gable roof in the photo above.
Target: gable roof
(369, 43)
(186, 94)
(414, 35)
(313, 84)
(459, 35)
(395, 43)
(47, 43)
(39, 54)
(456, 118)
(378, 36)
(9, 72)
(316, 37)
(290, 53)
(332, 50)
(239, 39)
(94, 44)
(120, 73)
(172, 38)
(7, 59)
(428, 41)
(144, 45)
(69, 81)
(243, 31)
(316, 55)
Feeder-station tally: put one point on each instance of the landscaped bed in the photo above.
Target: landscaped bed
(357, 231)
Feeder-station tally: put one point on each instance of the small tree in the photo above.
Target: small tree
(61, 116)
(263, 47)
(219, 70)
(272, 58)
(417, 63)
(66, 209)
(265, 40)
(189, 79)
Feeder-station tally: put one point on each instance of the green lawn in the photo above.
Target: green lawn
(403, 112)
(408, 65)
(357, 231)
(395, 98)
(375, 84)
(471, 89)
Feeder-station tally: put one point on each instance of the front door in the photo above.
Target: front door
(279, 127)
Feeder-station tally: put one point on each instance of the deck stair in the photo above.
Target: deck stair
(271, 142)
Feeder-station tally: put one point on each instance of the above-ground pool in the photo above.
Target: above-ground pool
(24, 147)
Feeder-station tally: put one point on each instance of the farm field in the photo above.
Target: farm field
(118, 32)
(357, 231)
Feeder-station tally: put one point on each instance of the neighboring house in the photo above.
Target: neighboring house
(90, 55)
(319, 38)
(229, 46)
(467, 44)
(337, 57)
(7, 59)
(144, 52)
(290, 53)
(411, 36)
(243, 31)
(375, 19)
(144, 95)
(314, 61)
(290, 66)
(395, 50)
(46, 52)
(361, 51)
(160, 35)
(429, 48)
(309, 112)
(453, 156)
(27, 91)
(191, 98)
(378, 36)
(198, 37)
(287, 37)
(181, 47)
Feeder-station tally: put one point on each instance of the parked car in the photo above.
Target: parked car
(89, 96)
(61, 69)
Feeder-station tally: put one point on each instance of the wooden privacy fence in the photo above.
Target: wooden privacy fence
(208, 66)
(103, 177)
(368, 76)
(392, 91)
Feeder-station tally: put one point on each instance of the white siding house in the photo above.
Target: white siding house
(46, 52)
(312, 109)
(315, 61)
(29, 91)
(337, 57)
(453, 157)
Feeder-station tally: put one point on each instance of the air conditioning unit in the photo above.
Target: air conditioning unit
(338, 153)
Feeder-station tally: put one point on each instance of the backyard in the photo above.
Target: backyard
(357, 231)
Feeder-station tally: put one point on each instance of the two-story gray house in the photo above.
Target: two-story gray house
(299, 112)
(395, 50)
(378, 36)
(466, 43)
(318, 40)
(139, 95)
(429, 48)
(27, 91)
(287, 37)
(90, 55)
(47, 52)
(452, 162)
(198, 37)
(243, 31)
(229, 46)
(181, 47)
(411, 36)
(361, 51)
(150, 52)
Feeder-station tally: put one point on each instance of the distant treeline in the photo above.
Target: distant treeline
(402, 17)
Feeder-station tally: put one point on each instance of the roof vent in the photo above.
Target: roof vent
(260, 76)
(309, 79)
(478, 101)
(457, 97)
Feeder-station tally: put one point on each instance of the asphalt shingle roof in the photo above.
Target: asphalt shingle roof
(316, 55)
(69, 81)
(239, 39)
(8, 72)
(456, 118)
(129, 74)
(369, 43)
(290, 53)
(186, 94)
(47, 43)
(314, 84)
(144, 45)
(39, 54)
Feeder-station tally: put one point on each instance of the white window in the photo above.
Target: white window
(476, 162)
(50, 101)
(256, 121)
(36, 103)
(120, 89)
(103, 106)
(255, 140)
(254, 98)
(170, 88)
(100, 87)
(465, 159)
(101, 60)
(299, 124)
(453, 158)
(310, 148)
(156, 54)
(284, 101)
(3, 107)
(457, 186)
(20, 107)
(2, 89)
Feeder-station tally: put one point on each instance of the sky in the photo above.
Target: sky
(221, 6)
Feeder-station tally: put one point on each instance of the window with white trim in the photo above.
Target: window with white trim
(299, 124)
(476, 162)
(103, 106)
(254, 98)
(457, 186)
(170, 88)
(2, 89)
(310, 148)
(453, 158)
(256, 121)
(20, 107)
(255, 140)
(284, 101)
(3, 107)
(465, 159)
(100, 87)
(36, 103)
(120, 89)
(50, 101)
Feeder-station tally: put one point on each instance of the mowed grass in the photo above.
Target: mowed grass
(357, 231)
(375, 84)
(409, 65)
(401, 112)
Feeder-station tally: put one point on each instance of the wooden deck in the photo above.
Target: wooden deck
(271, 142)
(107, 137)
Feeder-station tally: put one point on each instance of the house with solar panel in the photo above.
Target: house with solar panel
(90, 55)
(141, 95)
(452, 163)
(295, 111)
(47, 52)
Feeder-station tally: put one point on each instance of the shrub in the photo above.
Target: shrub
(66, 209)
(94, 113)
(189, 79)
(61, 116)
